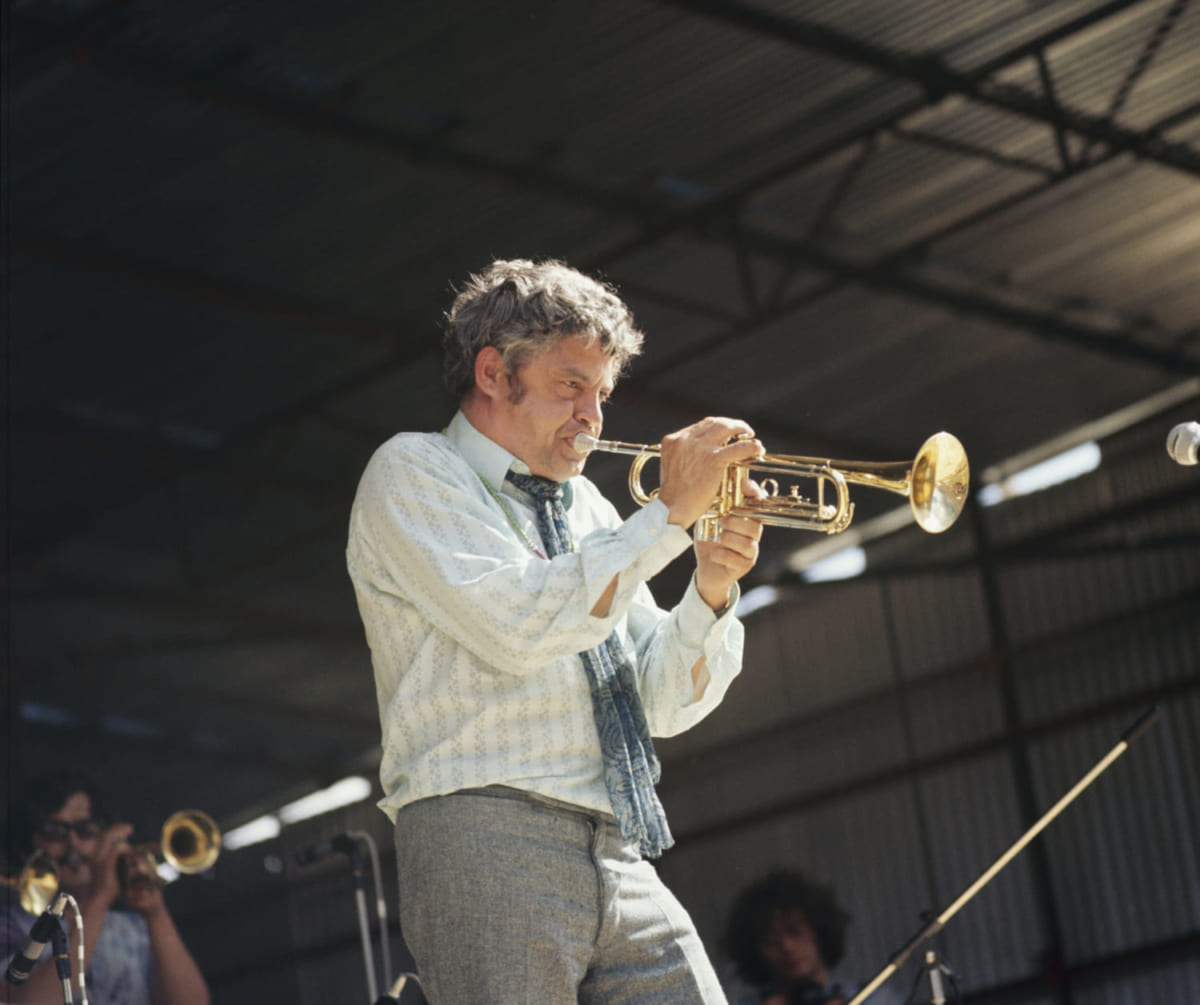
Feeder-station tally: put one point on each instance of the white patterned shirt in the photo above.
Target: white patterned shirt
(475, 638)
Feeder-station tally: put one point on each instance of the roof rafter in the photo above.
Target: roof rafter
(938, 79)
(710, 221)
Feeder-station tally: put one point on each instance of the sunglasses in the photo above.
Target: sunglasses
(59, 830)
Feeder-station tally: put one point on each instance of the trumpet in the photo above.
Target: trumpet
(190, 843)
(935, 483)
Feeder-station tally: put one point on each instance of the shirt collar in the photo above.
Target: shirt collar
(487, 458)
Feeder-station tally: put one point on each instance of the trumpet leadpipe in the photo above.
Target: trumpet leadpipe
(585, 443)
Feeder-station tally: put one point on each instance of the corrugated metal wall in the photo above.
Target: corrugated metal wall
(896, 734)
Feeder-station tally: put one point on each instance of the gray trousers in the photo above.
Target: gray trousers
(508, 899)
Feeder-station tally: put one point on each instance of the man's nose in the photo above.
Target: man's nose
(590, 409)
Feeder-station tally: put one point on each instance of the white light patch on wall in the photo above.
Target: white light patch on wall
(844, 564)
(1052, 471)
(344, 793)
(47, 715)
(755, 599)
(259, 829)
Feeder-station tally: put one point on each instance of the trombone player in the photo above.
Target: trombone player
(134, 956)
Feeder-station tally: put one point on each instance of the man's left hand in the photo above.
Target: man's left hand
(721, 563)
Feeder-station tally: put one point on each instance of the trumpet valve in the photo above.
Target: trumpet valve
(836, 526)
(708, 527)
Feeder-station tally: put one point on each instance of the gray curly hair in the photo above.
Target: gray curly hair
(521, 307)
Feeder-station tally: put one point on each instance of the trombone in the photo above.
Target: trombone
(190, 842)
(935, 483)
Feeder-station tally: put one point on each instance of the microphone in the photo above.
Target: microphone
(42, 933)
(342, 843)
(935, 979)
(392, 995)
(1183, 443)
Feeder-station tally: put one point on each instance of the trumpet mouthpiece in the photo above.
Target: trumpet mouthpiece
(584, 443)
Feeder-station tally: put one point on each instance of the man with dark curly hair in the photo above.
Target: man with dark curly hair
(786, 934)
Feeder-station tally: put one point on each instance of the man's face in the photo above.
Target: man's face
(790, 948)
(69, 836)
(559, 392)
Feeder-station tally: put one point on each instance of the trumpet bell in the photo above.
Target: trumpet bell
(191, 841)
(940, 481)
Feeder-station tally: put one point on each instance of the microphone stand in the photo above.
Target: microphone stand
(360, 901)
(346, 843)
(61, 948)
(898, 958)
(392, 995)
(380, 906)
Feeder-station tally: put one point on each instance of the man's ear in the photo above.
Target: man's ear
(489, 371)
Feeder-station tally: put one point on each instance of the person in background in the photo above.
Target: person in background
(134, 954)
(522, 665)
(786, 935)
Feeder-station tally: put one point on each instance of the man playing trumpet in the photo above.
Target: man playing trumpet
(132, 957)
(522, 665)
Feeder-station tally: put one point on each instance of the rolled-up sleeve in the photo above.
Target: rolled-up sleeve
(669, 645)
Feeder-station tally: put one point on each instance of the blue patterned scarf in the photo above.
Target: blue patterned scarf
(630, 765)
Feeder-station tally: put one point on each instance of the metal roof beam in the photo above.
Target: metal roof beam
(718, 218)
(938, 80)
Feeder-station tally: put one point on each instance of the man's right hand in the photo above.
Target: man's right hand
(693, 463)
(112, 843)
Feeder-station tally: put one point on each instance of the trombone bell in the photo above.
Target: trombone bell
(36, 884)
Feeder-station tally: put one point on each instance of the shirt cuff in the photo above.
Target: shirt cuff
(697, 619)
